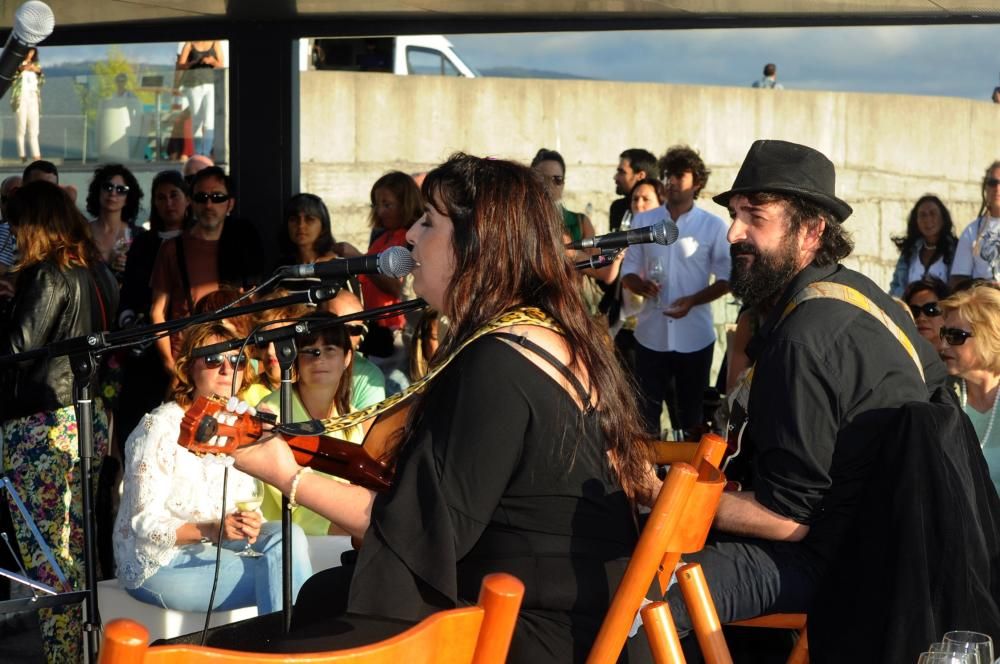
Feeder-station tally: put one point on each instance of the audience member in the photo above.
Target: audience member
(634, 164)
(810, 452)
(674, 335)
(928, 248)
(269, 368)
(770, 79)
(26, 102)
(923, 298)
(113, 199)
(8, 242)
(63, 291)
(981, 235)
(426, 339)
(195, 163)
(552, 168)
(40, 170)
(322, 389)
(217, 250)
(168, 532)
(969, 344)
(367, 379)
(396, 205)
(486, 458)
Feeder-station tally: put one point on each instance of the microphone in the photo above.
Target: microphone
(664, 233)
(33, 22)
(393, 262)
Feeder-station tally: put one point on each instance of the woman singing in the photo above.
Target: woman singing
(522, 456)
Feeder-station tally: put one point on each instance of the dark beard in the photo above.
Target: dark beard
(767, 275)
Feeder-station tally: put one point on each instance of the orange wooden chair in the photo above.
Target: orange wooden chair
(679, 523)
(471, 635)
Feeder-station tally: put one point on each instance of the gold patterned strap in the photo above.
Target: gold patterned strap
(847, 294)
(520, 316)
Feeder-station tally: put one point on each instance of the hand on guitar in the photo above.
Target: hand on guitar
(270, 461)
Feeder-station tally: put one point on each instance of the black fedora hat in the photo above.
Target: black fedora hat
(788, 168)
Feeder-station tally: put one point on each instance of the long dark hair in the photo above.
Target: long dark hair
(502, 216)
(309, 204)
(947, 242)
(333, 336)
(49, 227)
(103, 175)
(174, 179)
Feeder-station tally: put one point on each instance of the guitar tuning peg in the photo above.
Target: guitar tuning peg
(222, 441)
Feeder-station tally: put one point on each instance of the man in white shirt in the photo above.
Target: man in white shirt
(980, 233)
(674, 332)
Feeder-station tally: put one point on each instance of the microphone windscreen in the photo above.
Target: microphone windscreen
(665, 232)
(396, 262)
(33, 22)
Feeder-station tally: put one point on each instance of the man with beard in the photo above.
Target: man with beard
(634, 164)
(216, 252)
(828, 378)
(674, 334)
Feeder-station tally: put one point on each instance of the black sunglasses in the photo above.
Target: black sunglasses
(112, 188)
(931, 310)
(236, 361)
(215, 197)
(954, 336)
(356, 330)
(992, 182)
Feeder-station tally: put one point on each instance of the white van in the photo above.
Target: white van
(428, 55)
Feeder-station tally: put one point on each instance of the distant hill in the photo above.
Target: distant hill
(523, 72)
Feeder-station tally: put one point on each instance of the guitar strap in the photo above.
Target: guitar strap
(520, 316)
(738, 401)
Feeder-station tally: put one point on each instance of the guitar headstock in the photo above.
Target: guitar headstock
(207, 421)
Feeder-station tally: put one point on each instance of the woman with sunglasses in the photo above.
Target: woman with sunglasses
(113, 199)
(167, 533)
(321, 390)
(928, 248)
(970, 347)
(521, 456)
(981, 234)
(923, 298)
(63, 291)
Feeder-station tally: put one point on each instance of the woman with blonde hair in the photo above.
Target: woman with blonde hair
(970, 347)
(167, 534)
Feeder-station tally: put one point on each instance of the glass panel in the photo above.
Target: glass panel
(421, 62)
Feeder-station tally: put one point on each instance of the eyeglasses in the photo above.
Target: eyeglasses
(931, 310)
(112, 188)
(216, 197)
(992, 182)
(954, 336)
(236, 361)
(557, 180)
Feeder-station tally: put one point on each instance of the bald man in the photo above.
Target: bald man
(367, 382)
(194, 164)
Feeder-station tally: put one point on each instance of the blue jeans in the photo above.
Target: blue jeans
(185, 583)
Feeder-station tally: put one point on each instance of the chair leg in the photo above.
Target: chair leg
(800, 653)
(704, 618)
(661, 634)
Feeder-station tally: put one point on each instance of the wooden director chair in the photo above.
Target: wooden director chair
(679, 523)
(478, 634)
(691, 579)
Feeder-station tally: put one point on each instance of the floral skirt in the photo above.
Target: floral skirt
(41, 457)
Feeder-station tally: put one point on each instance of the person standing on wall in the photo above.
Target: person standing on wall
(195, 73)
(26, 101)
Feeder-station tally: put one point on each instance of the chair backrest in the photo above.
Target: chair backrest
(679, 522)
(472, 635)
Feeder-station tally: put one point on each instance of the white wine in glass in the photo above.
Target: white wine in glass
(249, 501)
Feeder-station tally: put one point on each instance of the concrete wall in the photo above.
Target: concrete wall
(889, 149)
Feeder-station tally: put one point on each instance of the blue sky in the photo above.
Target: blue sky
(959, 61)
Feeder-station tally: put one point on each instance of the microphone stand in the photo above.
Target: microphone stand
(84, 352)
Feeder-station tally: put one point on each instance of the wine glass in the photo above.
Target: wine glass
(655, 272)
(976, 642)
(936, 657)
(249, 500)
(956, 649)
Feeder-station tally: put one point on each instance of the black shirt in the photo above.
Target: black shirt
(616, 213)
(828, 382)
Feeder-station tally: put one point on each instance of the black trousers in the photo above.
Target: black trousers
(750, 577)
(686, 373)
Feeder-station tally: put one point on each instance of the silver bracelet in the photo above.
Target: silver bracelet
(295, 486)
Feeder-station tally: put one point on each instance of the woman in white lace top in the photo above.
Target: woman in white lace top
(167, 531)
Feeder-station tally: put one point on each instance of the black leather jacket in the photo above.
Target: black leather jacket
(52, 304)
